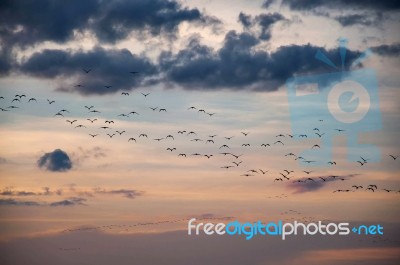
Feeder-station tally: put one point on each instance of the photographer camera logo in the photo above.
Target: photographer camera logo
(339, 103)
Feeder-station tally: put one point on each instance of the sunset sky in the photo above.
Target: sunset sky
(72, 192)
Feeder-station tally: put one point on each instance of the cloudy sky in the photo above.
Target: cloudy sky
(103, 158)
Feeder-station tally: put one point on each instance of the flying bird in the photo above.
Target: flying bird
(93, 135)
(131, 139)
(171, 149)
(162, 110)
(108, 86)
(109, 121)
(86, 70)
(145, 95)
(394, 157)
(153, 109)
(71, 121)
(50, 101)
(91, 120)
(89, 107)
(280, 142)
(120, 133)
(245, 133)
(143, 135)
(125, 93)
(237, 163)
(222, 146)
(80, 126)
(265, 145)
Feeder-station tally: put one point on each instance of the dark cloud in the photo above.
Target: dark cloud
(238, 65)
(307, 5)
(69, 202)
(265, 21)
(25, 23)
(18, 203)
(117, 19)
(358, 19)
(56, 161)
(131, 194)
(316, 184)
(267, 3)
(109, 67)
(245, 20)
(262, 21)
(387, 50)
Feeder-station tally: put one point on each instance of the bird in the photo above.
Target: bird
(143, 135)
(3, 109)
(107, 86)
(209, 141)
(201, 110)
(86, 70)
(224, 146)
(362, 163)
(332, 163)
(387, 190)
(226, 167)
(308, 161)
(170, 136)
(94, 111)
(290, 154)
(191, 108)
(373, 186)
(120, 133)
(125, 93)
(123, 115)
(307, 172)
(196, 154)
(109, 122)
(171, 149)
(79, 85)
(210, 114)
(182, 155)
(263, 172)
(91, 120)
(162, 110)
(93, 135)
(364, 160)
(357, 187)
(111, 135)
(315, 129)
(245, 133)
(339, 130)
(237, 163)
(235, 156)
(310, 179)
(104, 127)
(71, 121)
(59, 114)
(196, 140)
(133, 72)
(158, 139)
(89, 107)
(278, 179)
(145, 95)
(265, 145)
(287, 171)
(225, 154)
(394, 157)
(245, 144)
(228, 138)
(253, 170)
(131, 139)
(208, 156)
(369, 188)
(279, 142)
(133, 112)
(80, 126)
(153, 109)
(316, 145)
(320, 134)
(212, 136)
(280, 135)
(303, 136)
(247, 175)
(50, 101)
(15, 99)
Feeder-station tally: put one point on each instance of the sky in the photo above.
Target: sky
(121, 120)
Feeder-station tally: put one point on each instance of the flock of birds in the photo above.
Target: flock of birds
(105, 127)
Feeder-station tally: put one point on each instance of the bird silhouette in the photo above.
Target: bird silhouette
(162, 110)
(108, 86)
(209, 141)
(86, 70)
(237, 163)
(320, 134)
(15, 99)
(263, 172)
(71, 121)
(109, 121)
(184, 155)
(265, 145)
(171, 149)
(394, 157)
(332, 163)
(279, 142)
(158, 139)
(80, 126)
(316, 145)
(51, 101)
(228, 138)
(153, 109)
(235, 156)
(111, 135)
(224, 146)
(143, 135)
(131, 139)
(208, 156)
(245, 133)
(91, 120)
(125, 93)
(120, 132)
(93, 135)
(89, 108)
(145, 95)
(245, 144)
